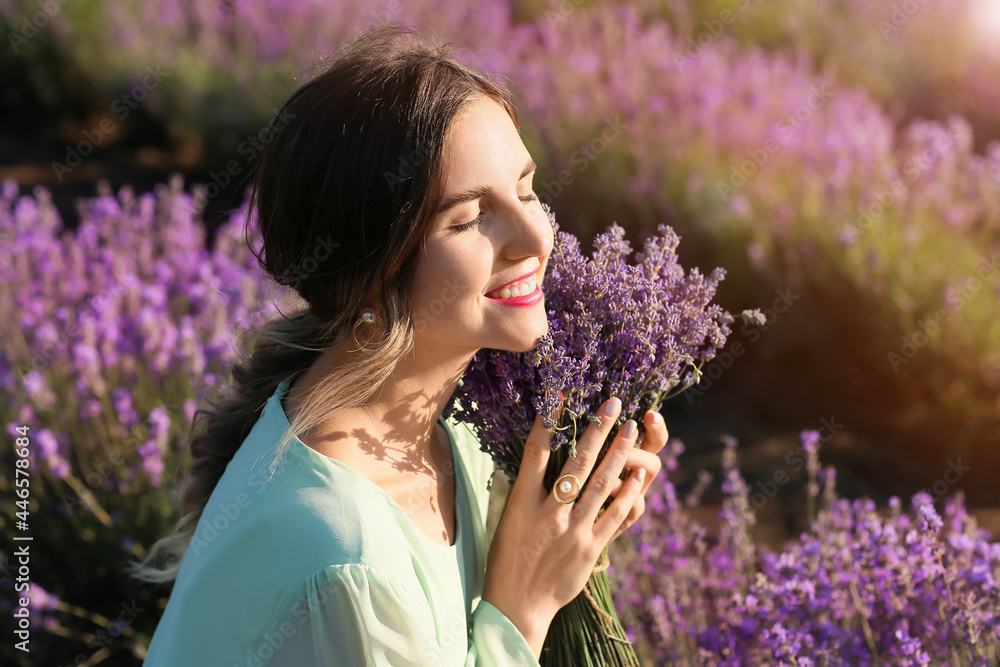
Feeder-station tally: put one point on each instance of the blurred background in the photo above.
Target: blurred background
(840, 159)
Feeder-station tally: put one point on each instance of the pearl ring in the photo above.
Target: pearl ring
(565, 487)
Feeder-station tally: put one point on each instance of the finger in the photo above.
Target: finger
(647, 460)
(618, 511)
(534, 459)
(639, 458)
(592, 441)
(656, 435)
(638, 509)
(599, 487)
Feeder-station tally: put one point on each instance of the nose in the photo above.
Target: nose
(528, 232)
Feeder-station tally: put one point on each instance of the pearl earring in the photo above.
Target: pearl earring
(368, 316)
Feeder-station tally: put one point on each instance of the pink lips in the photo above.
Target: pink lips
(526, 300)
(526, 275)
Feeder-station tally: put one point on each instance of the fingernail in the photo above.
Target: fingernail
(629, 430)
(613, 406)
(641, 475)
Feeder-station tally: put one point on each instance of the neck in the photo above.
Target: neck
(398, 424)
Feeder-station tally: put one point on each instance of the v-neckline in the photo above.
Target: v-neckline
(366, 481)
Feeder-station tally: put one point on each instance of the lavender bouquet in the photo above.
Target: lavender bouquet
(637, 331)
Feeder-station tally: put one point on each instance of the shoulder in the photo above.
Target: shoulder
(294, 519)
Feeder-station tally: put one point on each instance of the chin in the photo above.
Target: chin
(522, 347)
(528, 340)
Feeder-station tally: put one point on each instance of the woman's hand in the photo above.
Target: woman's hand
(644, 456)
(544, 551)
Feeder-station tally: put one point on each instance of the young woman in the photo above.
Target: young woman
(337, 518)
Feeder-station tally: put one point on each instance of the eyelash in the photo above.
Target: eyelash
(475, 222)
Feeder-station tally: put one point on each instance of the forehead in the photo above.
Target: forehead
(482, 142)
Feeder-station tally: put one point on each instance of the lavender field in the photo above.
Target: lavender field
(829, 494)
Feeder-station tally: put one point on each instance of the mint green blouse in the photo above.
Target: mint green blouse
(319, 566)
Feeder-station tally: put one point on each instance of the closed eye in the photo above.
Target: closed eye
(475, 222)
(471, 224)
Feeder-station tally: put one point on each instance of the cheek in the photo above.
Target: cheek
(447, 279)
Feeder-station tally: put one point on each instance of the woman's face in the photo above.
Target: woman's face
(490, 236)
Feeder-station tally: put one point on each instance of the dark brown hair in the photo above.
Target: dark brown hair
(343, 193)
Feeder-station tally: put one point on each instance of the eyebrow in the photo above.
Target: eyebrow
(481, 191)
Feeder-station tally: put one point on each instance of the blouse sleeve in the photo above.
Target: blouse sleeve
(352, 615)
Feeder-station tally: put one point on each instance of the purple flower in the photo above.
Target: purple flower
(754, 317)
(160, 423)
(60, 467)
(929, 519)
(152, 460)
(91, 409)
(37, 387)
(637, 331)
(810, 441)
(851, 579)
(47, 444)
(41, 604)
(121, 400)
